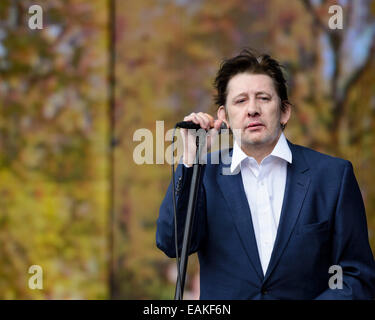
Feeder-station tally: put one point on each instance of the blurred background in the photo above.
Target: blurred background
(72, 199)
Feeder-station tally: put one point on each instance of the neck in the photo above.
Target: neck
(259, 151)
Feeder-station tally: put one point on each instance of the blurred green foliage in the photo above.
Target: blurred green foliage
(53, 162)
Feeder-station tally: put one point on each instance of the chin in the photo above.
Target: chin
(252, 142)
(260, 140)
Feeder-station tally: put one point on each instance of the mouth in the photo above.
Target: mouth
(255, 126)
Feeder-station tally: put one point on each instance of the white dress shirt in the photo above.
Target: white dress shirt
(264, 186)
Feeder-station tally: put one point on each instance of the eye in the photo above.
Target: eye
(264, 98)
(240, 100)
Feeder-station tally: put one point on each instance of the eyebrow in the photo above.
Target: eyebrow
(263, 92)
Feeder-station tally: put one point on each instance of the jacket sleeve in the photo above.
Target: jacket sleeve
(351, 249)
(165, 235)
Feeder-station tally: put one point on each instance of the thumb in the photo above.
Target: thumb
(216, 127)
(212, 135)
(217, 124)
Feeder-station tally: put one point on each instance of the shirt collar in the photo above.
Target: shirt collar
(281, 150)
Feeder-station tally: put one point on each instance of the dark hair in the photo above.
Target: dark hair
(248, 61)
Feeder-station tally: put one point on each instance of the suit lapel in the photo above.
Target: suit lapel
(297, 184)
(233, 191)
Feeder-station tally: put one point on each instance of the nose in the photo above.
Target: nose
(252, 108)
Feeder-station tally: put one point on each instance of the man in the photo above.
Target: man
(290, 216)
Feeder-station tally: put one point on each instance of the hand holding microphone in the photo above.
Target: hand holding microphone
(196, 121)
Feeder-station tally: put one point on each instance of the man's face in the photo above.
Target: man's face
(252, 99)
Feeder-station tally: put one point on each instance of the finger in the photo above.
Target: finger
(203, 121)
(212, 136)
(192, 117)
(217, 124)
(189, 117)
(213, 132)
(209, 120)
(183, 131)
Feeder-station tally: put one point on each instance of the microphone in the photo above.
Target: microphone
(192, 125)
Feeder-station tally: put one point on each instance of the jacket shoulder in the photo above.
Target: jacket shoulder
(319, 159)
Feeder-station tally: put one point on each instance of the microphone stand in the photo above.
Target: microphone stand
(193, 193)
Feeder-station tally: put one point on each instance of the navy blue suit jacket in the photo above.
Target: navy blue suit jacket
(322, 223)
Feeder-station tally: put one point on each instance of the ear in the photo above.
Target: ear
(222, 115)
(285, 115)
